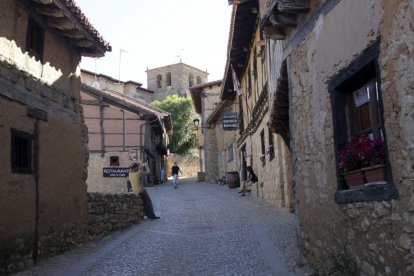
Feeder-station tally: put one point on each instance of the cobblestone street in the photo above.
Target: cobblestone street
(205, 229)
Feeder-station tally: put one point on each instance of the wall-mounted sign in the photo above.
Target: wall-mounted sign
(133, 155)
(230, 121)
(361, 96)
(115, 172)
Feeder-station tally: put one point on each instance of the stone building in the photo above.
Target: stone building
(42, 132)
(205, 98)
(222, 158)
(245, 90)
(107, 83)
(122, 130)
(340, 68)
(174, 79)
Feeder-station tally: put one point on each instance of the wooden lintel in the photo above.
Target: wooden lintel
(271, 32)
(293, 6)
(49, 11)
(83, 43)
(73, 33)
(45, 2)
(283, 19)
(236, 1)
(60, 23)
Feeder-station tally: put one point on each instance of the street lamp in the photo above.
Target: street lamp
(196, 122)
(200, 174)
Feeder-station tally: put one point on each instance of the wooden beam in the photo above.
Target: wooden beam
(73, 33)
(83, 43)
(293, 6)
(49, 11)
(80, 27)
(236, 1)
(283, 20)
(272, 32)
(60, 23)
(45, 2)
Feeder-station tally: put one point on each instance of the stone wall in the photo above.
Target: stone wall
(109, 212)
(275, 176)
(179, 80)
(371, 237)
(211, 156)
(189, 164)
(41, 100)
(99, 184)
(106, 212)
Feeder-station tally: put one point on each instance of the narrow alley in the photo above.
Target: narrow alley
(205, 229)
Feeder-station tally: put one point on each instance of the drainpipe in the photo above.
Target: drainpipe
(141, 143)
(123, 129)
(101, 126)
(36, 179)
(37, 115)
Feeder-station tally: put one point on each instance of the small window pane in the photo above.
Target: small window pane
(114, 161)
(21, 151)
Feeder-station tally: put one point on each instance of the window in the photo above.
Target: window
(254, 73)
(230, 153)
(114, 161)
(262, 146)
(159, 81)
(357, 109)
(271, 149)
(34, 39)
(190, 80)
(249, 83)
(241, 115)
(21, 151)
(168, 77)
(198, 80)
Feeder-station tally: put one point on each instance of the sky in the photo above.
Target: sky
(154, 33)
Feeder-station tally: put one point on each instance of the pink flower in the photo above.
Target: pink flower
(360, 152)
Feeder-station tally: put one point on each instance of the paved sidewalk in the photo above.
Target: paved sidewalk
(205, 229)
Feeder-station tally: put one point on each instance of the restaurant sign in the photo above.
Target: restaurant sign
(115, 172)
(230, 121)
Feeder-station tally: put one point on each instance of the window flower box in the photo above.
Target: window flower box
(365, 157)
(263, 159)
(376, 174)
(355, 179)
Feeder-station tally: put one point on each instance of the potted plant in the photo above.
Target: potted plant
(270, 151)
(374, 161)
(361, 159)
(263, 159)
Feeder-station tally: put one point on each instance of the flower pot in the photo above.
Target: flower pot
(376, 173)
(354, 179)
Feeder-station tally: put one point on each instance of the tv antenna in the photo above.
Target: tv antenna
(119, 69)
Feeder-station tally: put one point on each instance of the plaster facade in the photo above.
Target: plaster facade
(44, 188)
(125, 129)
(262, 149)
(372, 237)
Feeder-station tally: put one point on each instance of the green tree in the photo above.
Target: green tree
(182, 139)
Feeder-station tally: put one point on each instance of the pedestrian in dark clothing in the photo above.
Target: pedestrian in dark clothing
(174, 171)
(137, 175)
(251, 178)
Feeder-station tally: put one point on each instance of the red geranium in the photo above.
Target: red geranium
(360, 152)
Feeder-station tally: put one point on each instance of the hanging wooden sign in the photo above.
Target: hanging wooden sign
(230, 121)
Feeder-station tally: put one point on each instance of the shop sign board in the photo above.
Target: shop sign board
(115, 172)
(230, 121)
